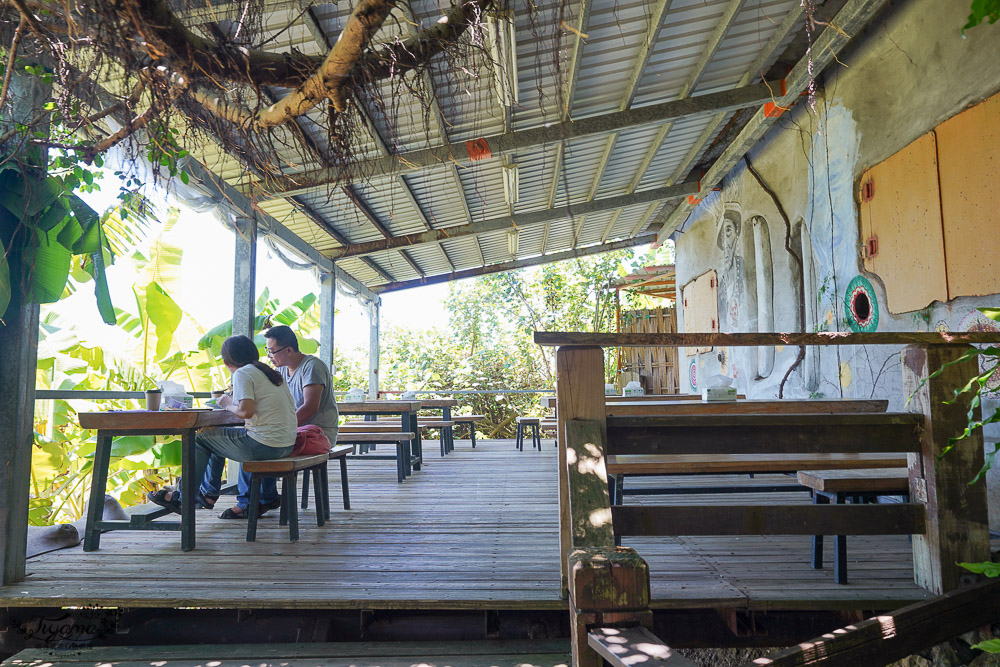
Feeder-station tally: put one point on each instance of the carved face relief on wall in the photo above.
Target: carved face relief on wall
(731, 280)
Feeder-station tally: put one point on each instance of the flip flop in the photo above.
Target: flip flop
(231, 513)
(160, 498)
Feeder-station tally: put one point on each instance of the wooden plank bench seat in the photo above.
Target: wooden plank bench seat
(443, 427)
(839, 486)
(287, 470)
(378, 435)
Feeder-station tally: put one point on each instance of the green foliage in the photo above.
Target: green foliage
(57, 226)
(982, 10)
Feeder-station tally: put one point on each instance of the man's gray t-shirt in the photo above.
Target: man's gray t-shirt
(313, 371)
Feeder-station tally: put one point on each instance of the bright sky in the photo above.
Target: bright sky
(207, 274)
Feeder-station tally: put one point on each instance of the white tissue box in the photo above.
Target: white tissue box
(718, 394)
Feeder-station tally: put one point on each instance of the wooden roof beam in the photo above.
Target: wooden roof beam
(521, 220)
(517, 264)
(448, 153)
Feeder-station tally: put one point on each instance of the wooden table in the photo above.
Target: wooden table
(407, 410)
(143, 422)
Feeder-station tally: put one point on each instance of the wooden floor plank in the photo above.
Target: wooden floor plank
(476, 529)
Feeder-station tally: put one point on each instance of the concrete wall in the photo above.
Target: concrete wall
(908, 72)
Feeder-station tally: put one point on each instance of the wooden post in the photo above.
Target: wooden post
(245, 279)
(327, 303)
(579, 395)
(18, 339)
(956, 515)
(608, 586)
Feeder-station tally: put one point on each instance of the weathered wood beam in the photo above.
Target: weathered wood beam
(327, 308)
(896, 519)
(413, 265)
(520, 220)
(957, 512)
(516, 264)
(766, 434)
(850, 20)
(754, 339)
(893, 636)
(624, 647)
(524, 139)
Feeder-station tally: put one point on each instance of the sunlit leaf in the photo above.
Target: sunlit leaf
(129, 445)
(165, 315)
(50, 269)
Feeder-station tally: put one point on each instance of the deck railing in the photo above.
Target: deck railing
(609, 586)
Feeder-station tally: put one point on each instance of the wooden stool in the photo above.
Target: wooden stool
(856, 485)
(287, 470)
(536, 437)
(338, 452)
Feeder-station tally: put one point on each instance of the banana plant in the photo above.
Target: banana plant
(55, 225)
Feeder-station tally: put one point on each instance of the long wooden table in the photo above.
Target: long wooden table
(116, 423)
(407, 410)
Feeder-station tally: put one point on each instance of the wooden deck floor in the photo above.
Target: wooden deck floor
(475, 530)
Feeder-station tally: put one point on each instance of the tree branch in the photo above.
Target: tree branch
(327, 82)
(10, 61)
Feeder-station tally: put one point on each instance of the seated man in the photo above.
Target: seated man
(311, 384)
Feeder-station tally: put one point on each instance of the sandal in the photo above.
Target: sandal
(235, 512)
(205, 501)
(160, 498)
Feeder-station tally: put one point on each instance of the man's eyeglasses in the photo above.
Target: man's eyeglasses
(271, 352)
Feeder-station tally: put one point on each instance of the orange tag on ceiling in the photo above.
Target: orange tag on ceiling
(478, 149)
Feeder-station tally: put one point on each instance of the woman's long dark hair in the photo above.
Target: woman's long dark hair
(240, 351)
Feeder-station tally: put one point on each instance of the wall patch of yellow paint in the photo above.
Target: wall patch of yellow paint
(845, 375)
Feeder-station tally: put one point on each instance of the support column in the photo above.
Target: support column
(956, 513)
(374, 317)
(579, 395)
(18, 343)
(327, 303)
(245, 281)
(244, 296)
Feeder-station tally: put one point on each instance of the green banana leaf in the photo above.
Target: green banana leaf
(165, 315)
(50, 267)
(130, 445)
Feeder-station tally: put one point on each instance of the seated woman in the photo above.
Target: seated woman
(262, 398)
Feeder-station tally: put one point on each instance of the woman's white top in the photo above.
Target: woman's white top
(274, 422)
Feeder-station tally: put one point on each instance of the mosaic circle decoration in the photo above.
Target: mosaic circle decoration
(693, 372)
(860, 305)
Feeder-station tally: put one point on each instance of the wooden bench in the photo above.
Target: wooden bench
(377, 435)
(858, 486)
(471, 421)
(443, 426)
(287, 470)
(703, 444)
(340, 453)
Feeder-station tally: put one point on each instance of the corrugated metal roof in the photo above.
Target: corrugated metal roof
(627, 60)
